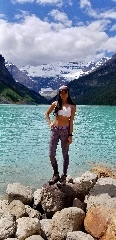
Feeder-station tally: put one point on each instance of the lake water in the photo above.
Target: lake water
(24, 141)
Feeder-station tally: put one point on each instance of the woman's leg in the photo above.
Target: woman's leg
(54, 139)
(65, 148)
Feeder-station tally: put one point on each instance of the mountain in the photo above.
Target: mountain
(98, 87)
(49, 77)
(14, 92)
(94, 84)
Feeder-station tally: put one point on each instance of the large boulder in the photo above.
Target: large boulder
(66, 220)
(78, 235)
(7, 226)
(53, 200)
(27, 227)
(46, 228)
(35, 237)
(37, 197)
(16, 191)
(3, 206)
(102, 171)
(88, 177)
(17, 208)
(102, 194)
(11, 239)
(77, 203)
(32, 213)
(101, 223)
(77, 190)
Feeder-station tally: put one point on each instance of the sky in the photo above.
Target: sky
(35, 32)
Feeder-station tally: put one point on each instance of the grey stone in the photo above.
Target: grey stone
(102, 194)
(7, 226)
(35, 237)
(27, 227)
(17, 208)
(68, 219)
(46, 228)
(78, 235)
(37, 197)
(16, 191)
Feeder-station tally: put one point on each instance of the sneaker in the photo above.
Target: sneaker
(54, 179)
(63, 179)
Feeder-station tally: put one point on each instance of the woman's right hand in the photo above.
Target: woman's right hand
(51, 125)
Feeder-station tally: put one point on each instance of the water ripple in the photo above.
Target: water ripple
(24, 140)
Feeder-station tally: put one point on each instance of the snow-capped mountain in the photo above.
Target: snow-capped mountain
(47, 78)
(69, 71)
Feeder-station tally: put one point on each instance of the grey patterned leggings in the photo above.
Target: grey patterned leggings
(59, 133)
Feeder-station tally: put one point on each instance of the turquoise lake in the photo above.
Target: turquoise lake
(24, 143)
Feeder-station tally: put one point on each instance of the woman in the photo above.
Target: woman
(61, 128)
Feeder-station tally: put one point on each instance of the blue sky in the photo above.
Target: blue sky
(33, 32)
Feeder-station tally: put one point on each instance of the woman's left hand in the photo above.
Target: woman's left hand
(69, 140)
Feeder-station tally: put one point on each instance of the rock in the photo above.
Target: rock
(7, 226)
(69, 179)
(11, 239)
(76, 190)
(32, 212)
(102, 194)
(17, 208)
(102, 171)
(53, 199)
(27, 227)
(16, 191)
(46, 228)
(37, 197)
(35, 237)
(78, 235)
(88, 177)
(66, 220)
(101, 223)
(3, 206)
(77, 203)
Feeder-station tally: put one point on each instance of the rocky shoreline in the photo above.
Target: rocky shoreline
(83, 209)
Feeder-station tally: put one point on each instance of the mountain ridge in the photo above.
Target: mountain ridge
(51, 75)
(99, 87)
(14, 92)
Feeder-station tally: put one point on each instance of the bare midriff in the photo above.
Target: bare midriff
(61, 121)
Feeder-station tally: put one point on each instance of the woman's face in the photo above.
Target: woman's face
(64, 94)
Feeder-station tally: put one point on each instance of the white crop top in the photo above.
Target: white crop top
(65, 112)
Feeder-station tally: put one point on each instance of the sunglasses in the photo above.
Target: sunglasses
(64, 91)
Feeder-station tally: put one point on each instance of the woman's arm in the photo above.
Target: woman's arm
(73, 110)
(50, 109)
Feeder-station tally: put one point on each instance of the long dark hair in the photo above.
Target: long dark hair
(59, 103)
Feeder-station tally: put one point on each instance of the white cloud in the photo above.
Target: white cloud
(60, 17)
(34, 42)
(70, 2)
(51, 2)
(21, 15)
(85, 3)
(110, 45)
(2, 16)
(98, 14)
(113, 28)
(108, 14)
(22, 1)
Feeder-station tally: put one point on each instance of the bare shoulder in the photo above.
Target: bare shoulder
(51, 108)
(73, 108)
(54, 103)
